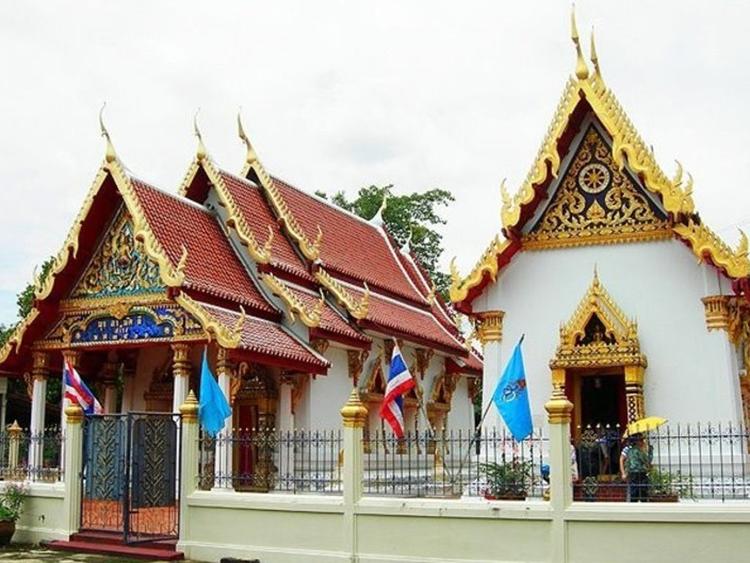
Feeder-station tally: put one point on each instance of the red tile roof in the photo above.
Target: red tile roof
(351, 246)
(212, 266)
(259, 216)
(269, 339)
(418, 323)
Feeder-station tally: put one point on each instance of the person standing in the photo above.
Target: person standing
(634, 465)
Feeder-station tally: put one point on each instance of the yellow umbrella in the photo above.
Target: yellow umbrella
(644, 425)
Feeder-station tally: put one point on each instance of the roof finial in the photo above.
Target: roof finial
(378, 217)
(201, 152)
(582, 71)
(110, 155)
(252, 156)
(594, 56)
(406, 247)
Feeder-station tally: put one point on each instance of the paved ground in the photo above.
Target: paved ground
(31, 554)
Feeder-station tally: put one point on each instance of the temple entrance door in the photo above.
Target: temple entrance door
(245, 454)
(129, 481)
(603, 401)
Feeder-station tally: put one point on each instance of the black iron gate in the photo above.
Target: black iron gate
(130, 477)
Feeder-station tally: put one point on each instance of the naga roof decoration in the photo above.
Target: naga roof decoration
(628, 150)
(226, 336)
(357, 307)
(235, 218)
(309, 248)
(16, 337)
(310, 318)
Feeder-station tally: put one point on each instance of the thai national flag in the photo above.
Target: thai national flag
(400, 382)
(77, 392)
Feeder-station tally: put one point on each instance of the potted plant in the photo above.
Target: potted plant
(667, 487)
(11, 505)
(507, 480)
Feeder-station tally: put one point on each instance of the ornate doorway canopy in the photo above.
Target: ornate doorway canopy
(600, 336)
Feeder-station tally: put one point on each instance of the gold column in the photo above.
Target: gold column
(181, 370)
(634, 392)
(490, 326)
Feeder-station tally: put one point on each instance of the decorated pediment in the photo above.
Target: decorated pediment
(120, 266)
(596, 202)
(598, 334)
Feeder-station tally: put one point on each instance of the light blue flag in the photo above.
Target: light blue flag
(511, 397)
(213, 408)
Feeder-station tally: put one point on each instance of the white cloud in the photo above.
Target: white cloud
(337, 95)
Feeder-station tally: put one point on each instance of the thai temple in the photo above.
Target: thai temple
(628, 301)
(297, 301)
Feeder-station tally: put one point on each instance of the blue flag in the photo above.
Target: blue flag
(511, 397)
(214, 408)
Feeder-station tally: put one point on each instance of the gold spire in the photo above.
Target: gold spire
(201, 152)
(582, 71)
(110, 155)
(251, 154)
(594, 56)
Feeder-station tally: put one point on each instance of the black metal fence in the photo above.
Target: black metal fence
(456, 463)
(669, 464)
(32, 457)
(295, 461)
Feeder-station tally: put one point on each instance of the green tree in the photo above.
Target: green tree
(415, 213)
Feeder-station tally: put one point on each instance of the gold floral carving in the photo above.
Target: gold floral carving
(489, 326)
(596, 203)
(320, 345)
(310, 318)
(355, 362)
(598, 334)
(310, 249)
(705, 242)
(357, 307)
(423, 357)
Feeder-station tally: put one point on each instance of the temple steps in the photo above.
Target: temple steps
(108, 543)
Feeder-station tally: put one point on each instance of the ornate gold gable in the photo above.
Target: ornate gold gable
(596, 202)
(598, 334)
(120, 267)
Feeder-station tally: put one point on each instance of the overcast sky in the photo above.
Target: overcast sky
(338, 95)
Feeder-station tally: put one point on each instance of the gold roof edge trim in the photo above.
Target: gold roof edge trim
(16, 337)
(357, 308)
(228, 337)
(487, 264)
(235, 218)
(703, 241)
(310, 249)
(310, 319)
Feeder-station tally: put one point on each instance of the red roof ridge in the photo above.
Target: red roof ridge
(330, 204)
(174, 196)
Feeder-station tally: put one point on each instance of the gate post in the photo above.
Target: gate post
(561, 487)
(354, 415)
(73, 467)
(188, 459)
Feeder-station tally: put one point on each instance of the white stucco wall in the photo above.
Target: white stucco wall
(461, 415)
(327, 393)
(691, 374)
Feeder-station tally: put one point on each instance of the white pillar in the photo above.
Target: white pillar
(188, 465)
(491, 335)
(286, 427)
(223, 463)
(561, 485)
(39, 372)
(73, 462)
(3, 401)
(181, 371)
(354, 415)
